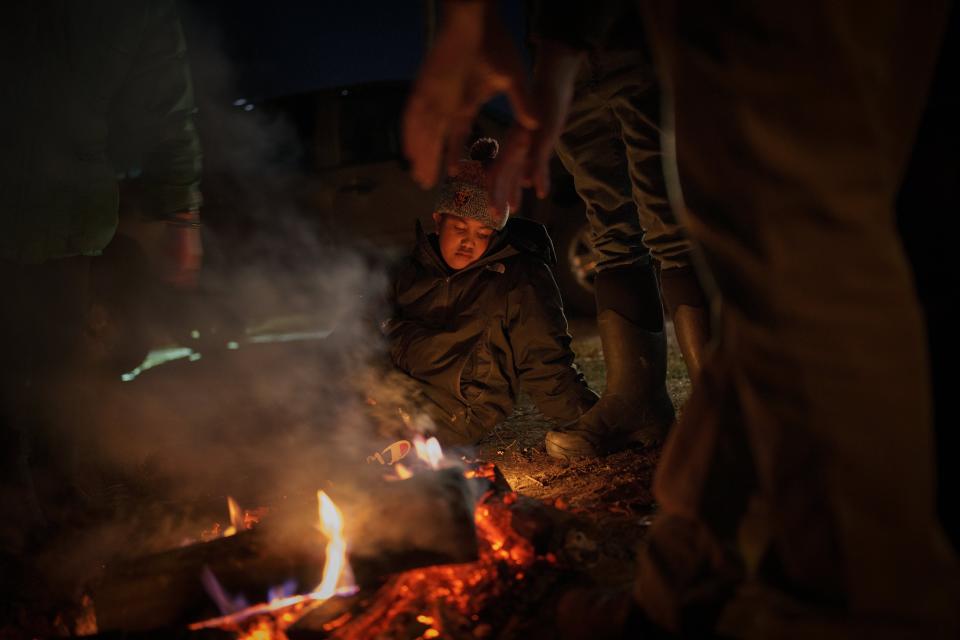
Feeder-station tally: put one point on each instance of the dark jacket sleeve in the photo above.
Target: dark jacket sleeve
(432, 355)
(426, 352)
(155, 107)
(541, 346)
(408, 342)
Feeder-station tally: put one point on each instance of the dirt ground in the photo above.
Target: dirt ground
(611, 496)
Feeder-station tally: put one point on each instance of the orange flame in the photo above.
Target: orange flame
(331, 525)
(87, 620)
(402, 472)
(240, 520)
(263, 630)
(236, 523)
(505, 557)
(337, 579)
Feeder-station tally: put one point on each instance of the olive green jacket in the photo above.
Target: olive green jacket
(80, 81)
(473, 338)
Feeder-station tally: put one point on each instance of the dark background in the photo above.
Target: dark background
(290, 46)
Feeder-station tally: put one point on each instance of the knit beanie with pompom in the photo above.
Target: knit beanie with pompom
(464, 193)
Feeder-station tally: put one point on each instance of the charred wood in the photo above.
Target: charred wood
(423, 521)
(165, 589)
(390, 527)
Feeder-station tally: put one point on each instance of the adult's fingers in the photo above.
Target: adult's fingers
(524, 111)
(507, 175)
(423, 133)
(509, 73)
(540, 179)
(456, 142)
(483, 84)
(476, 92)
(434, 104)
(538, 171)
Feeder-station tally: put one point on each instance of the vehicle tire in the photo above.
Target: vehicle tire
(576, 261)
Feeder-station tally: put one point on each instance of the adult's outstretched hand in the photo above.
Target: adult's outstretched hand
(524, 159)
(472, 61)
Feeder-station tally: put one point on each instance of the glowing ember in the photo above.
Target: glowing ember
(86, 624)
(445, 600)
(264, 629)
(436, 595)
(485, 470)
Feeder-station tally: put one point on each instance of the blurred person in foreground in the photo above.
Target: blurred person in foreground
(796, 492)
(82, 80)
(478, 315)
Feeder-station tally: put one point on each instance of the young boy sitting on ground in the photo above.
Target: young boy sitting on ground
(478, 316)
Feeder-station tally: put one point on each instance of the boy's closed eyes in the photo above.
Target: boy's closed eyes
(462, 240)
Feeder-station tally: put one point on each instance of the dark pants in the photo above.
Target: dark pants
(931, 188)
(797, 490)
(611, 147)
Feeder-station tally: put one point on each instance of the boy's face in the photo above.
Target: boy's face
(462, 240)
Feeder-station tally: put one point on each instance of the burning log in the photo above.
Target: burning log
(449, 601)
(166, 633)
(422, 521)
(392, 527)
(165, 589)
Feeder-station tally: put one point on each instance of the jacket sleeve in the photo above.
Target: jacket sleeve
(155, 108)
(541, 345)
(416, 347)
(408, 341)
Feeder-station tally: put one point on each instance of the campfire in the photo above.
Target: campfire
(240, 520)
(451, 597)
(440, 587)
(269, 619)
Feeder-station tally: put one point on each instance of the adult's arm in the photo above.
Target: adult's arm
(156, 108)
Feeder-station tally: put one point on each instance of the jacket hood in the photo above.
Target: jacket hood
(518, 236)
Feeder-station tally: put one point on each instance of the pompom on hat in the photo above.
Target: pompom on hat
(464, 193)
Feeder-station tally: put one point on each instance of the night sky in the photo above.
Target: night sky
(290, 46)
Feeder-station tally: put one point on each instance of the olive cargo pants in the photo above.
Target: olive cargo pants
(611, 147)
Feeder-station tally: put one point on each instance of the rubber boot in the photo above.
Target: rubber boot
(635, 409)
(692, 327)
(687, 304)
